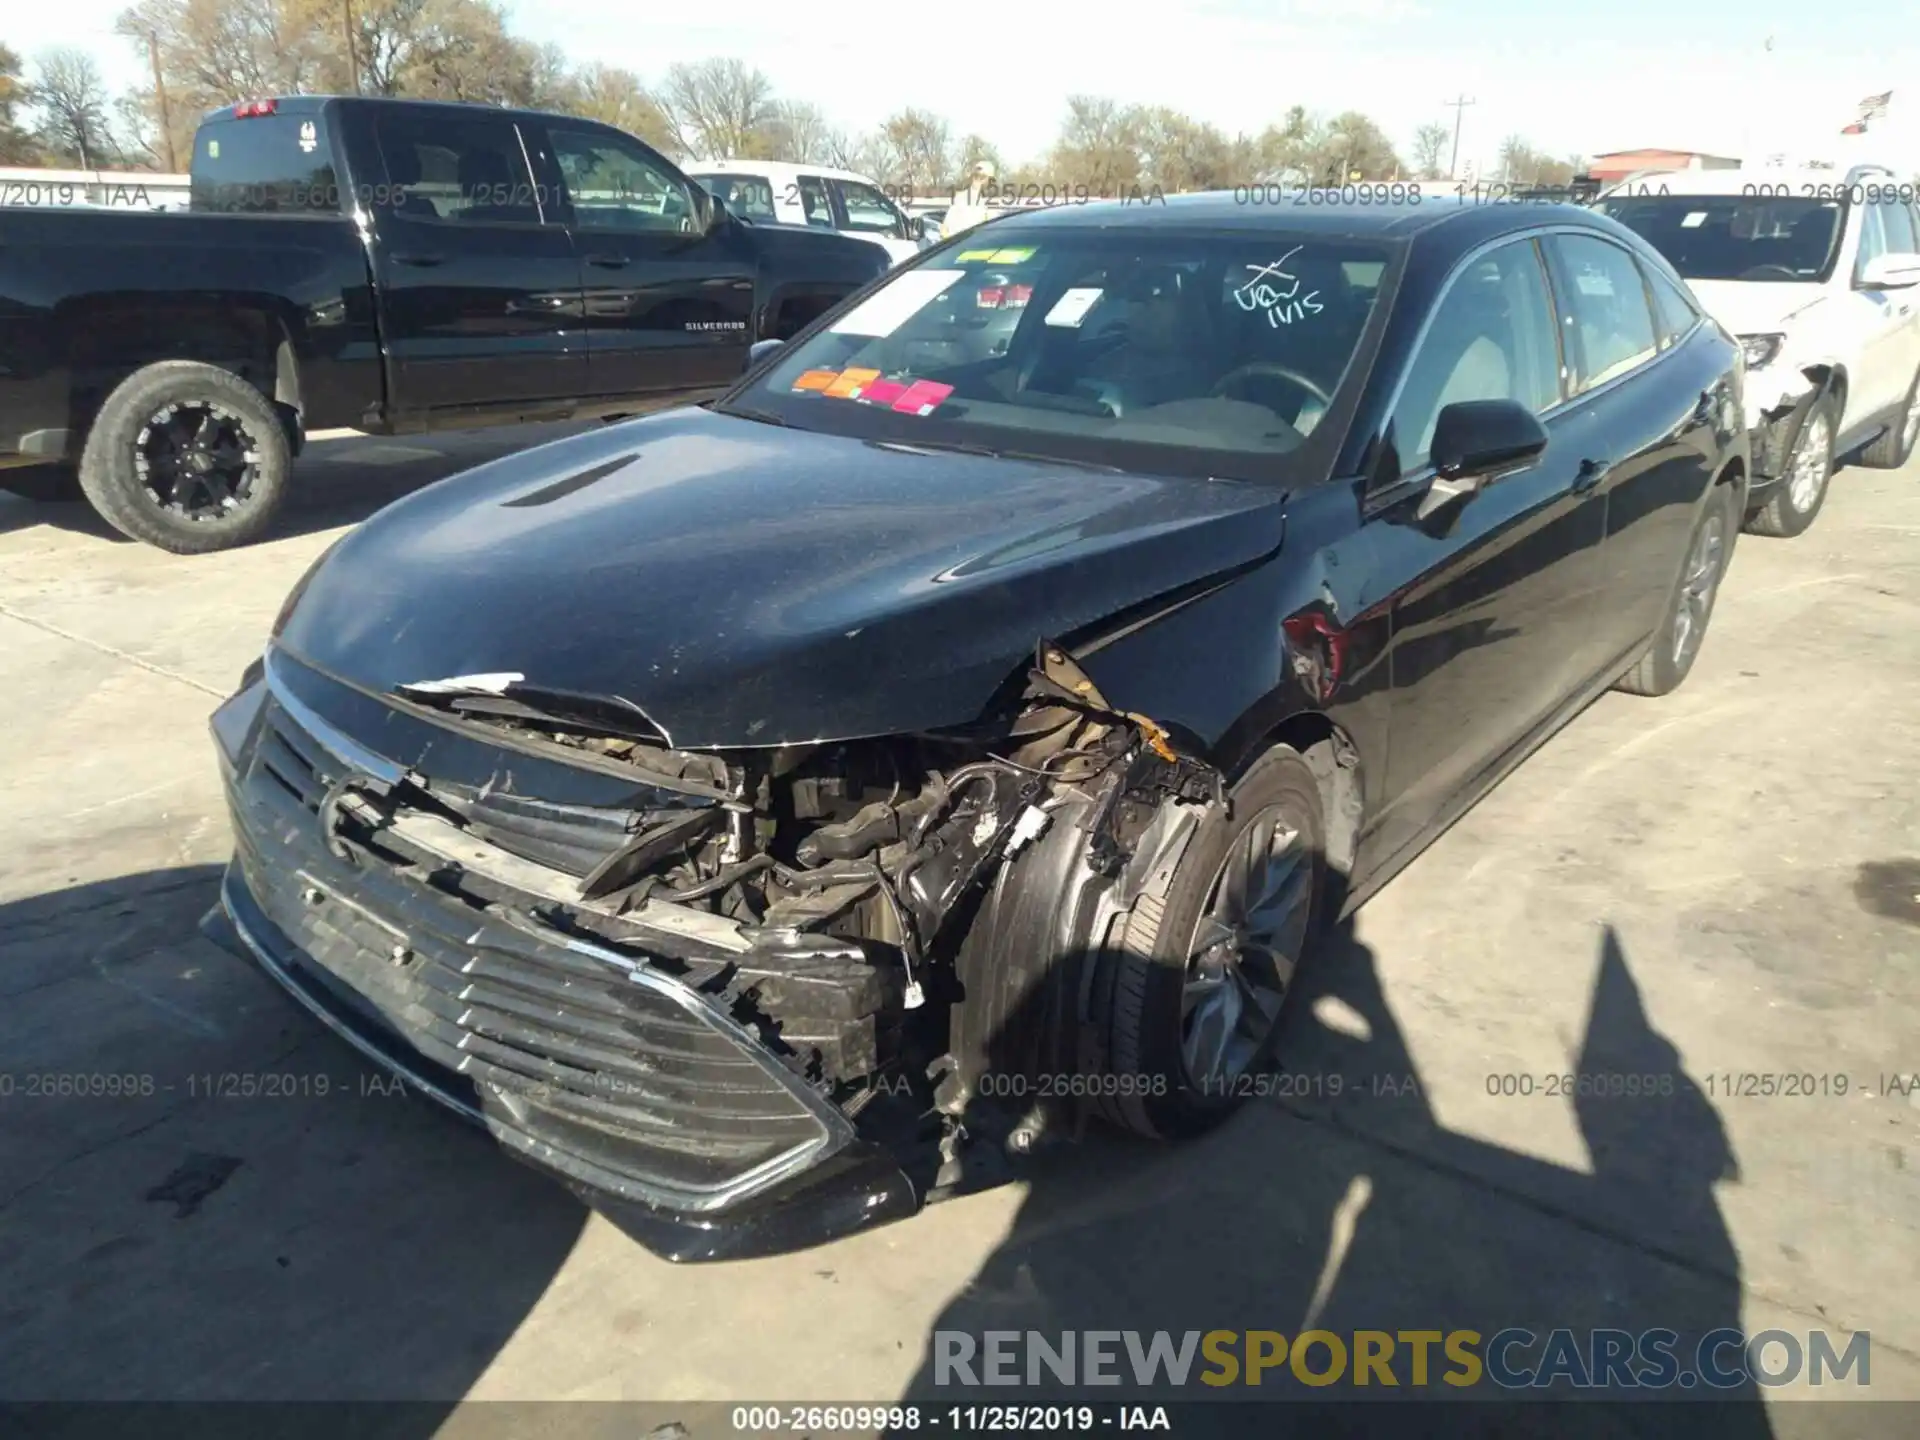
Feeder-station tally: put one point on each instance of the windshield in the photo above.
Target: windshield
(1737, 237)
(1150, 350)
(750, 196)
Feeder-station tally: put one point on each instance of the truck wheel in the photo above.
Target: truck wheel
(1800, 493)
(1191, 998)
(187, 457)
(49, 484)
(1891, 450)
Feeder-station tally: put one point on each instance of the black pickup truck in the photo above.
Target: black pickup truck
(385, 265)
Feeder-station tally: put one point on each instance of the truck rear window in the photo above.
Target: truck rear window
(265, 164)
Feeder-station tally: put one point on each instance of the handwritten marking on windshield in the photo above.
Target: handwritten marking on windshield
(1264, 292)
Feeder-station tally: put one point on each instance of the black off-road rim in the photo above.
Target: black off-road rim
(197, 459)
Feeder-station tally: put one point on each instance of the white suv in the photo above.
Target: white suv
(1816, 272)
(817, 196)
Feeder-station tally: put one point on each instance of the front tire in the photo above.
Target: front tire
(1192, 994)
(1800, 493)
(1892, 449)
(1676, 645)
(187, 457)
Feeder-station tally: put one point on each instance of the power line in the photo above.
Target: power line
(1459, 108)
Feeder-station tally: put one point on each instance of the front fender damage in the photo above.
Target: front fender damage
(899, 919)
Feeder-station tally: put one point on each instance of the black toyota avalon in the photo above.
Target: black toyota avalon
(769, 816)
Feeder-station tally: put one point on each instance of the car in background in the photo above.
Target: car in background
(740, 810)
(1816, 273)
(816, 196)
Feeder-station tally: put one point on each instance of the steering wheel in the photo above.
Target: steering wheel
(1768, 272)
(1276, 371)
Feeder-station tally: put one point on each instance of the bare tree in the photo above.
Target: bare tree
(1099, 146)
(915, 153)
(71, 101)
(1180, 153)
(719, 109)
(799, 132)
(1429, 145)
(616, 97)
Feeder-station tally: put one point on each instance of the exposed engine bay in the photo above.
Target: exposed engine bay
(826, 890)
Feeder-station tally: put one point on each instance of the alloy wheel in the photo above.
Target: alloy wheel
(197, 458)
(1697, 586)
(1245, 949)
(1912, 431)
(1812, 463)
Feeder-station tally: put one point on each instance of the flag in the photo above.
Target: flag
(1874, 106)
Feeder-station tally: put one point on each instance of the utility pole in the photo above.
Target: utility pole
(353, 57)
(160, 95)
(1459, 108)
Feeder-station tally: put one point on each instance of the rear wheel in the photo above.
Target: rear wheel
(187, 457)
(1790, 509)
(1192, 995)
(1677, 644)
(1891, 450)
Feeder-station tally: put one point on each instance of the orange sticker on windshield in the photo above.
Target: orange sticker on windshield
(850, 381)
(816, 379)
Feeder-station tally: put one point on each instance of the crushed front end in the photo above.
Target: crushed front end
(740, 1000)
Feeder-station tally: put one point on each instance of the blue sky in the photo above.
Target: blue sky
(1586, 77)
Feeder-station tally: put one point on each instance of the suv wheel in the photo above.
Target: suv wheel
(1891, 450)
(187, 457)
(1790, 509)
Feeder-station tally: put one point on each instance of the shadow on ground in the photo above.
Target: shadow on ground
(336, 482)
(209, 1197)
(1343, 1204)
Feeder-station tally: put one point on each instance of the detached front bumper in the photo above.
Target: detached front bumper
(642, 1096)
(1775, 412)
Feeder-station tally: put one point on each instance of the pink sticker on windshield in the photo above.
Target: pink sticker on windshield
(882, 392)
(922, 397)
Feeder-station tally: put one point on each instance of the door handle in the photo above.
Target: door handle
(608, 262)
(421, 261)
(1590, 474)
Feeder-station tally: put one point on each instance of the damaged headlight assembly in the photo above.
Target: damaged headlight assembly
(1761, 350)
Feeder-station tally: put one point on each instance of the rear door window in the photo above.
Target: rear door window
(1676, 310)
(1605, 316)
(815, 203)
(265, 164)
(868, 211)
(468, 169)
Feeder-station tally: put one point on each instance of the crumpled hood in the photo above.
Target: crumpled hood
(745, 584)
(1748, 307)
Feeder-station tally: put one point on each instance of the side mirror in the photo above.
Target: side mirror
(916, 227)
(1479, 439)
(1897, 271)
(759, 351)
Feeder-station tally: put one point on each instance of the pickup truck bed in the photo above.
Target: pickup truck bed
(392, 266)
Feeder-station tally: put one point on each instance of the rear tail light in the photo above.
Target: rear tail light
(249, 109)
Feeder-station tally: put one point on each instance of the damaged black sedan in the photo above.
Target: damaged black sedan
(769, 816)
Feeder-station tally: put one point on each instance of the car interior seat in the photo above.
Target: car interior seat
(489, 190)
(403, 172)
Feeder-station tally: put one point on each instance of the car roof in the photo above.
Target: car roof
(1327, 213)
(779, 172)
(1798, 180)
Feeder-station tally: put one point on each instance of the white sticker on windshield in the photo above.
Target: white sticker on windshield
(1695, 219)
(896, 303)
(1071, 308)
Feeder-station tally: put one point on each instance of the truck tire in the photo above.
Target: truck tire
(188, 457)
(1210, 941)
(49, 484)
(1891, 450)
